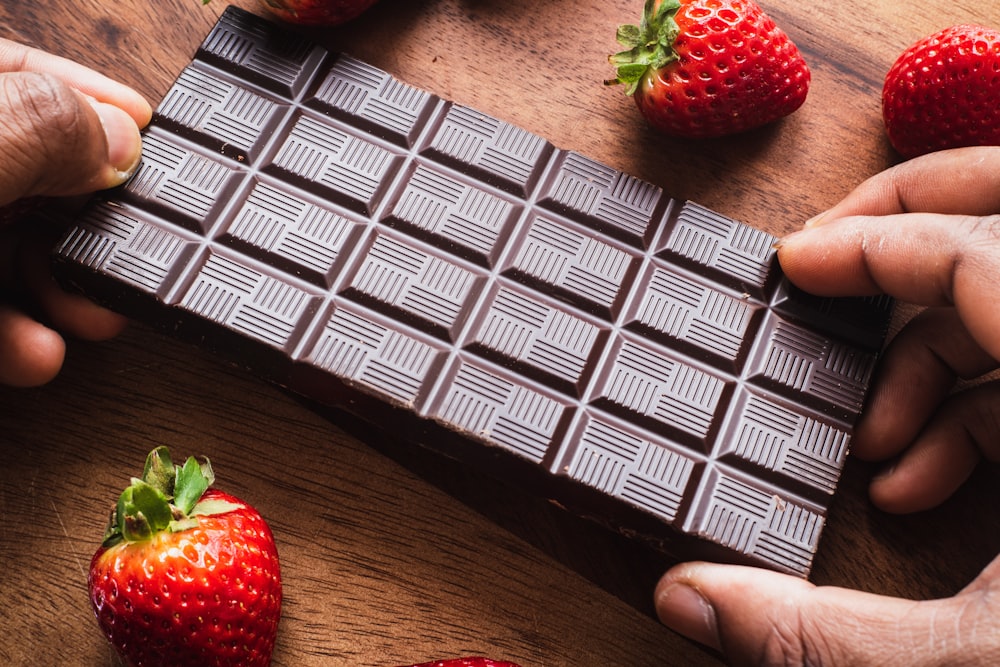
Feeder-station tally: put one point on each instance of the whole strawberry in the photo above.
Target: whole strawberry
(186, 575)
(944, 92)
(709, 68)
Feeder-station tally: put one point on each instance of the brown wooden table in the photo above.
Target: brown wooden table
(391, 555)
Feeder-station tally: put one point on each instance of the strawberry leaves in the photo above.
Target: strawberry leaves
(159, 469)
(166, 497)
(142, 511)
(649, 45)
(191, 481)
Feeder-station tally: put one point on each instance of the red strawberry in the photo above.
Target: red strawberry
(317, 12)
(186, 575)
(708, 68)
(944, 92)
(466, 662)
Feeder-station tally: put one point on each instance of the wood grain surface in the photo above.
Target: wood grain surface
(392, 556)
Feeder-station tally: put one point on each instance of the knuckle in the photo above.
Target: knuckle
(44, 120)
(45, 107)
(799, 640)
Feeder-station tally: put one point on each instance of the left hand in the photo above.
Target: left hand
(64, 130)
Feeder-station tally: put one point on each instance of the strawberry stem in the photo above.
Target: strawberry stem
(165, 498)
(648, 46)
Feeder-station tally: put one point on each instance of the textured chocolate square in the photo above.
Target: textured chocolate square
(471, 287)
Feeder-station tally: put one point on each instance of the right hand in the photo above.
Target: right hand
(928, 232)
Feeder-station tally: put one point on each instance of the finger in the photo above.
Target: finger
(16, 57)
(757, 617)
(927, 259)
(961, 181)
(30, 353)
(916, 373)
(55, 141)
(964, 429)
(78, 316)
(68, 313)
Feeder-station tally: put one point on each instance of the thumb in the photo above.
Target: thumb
(758, 617)
(57, 141)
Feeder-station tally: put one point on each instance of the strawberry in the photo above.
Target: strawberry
(466, 662)
(944, 92)
(317, 12)
(186, 575)
(709, 68)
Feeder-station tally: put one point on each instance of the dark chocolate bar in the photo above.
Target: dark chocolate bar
(470, 287)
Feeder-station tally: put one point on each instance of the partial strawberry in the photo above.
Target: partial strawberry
(316, 12)
(187, 576)
(709, 68)
(476, 661)
(944, 92)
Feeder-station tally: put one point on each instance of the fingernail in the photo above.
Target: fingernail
(686, 611)
(124, 141)
(816, 220)
(780, 243)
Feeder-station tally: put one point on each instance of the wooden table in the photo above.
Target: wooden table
(390, 555)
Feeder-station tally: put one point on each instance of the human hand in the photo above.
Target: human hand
(927, 232)
(64, 130)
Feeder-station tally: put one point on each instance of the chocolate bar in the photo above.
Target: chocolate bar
(470, 287)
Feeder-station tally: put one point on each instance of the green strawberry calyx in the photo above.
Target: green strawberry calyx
(166, 498)
(648, 46)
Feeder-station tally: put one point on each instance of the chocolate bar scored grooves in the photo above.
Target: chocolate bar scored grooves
(464, 284)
